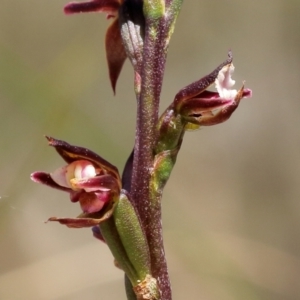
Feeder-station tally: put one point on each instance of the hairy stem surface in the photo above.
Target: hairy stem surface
(149, 207)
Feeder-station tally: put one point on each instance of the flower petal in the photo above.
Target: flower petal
(115, 52)
(79, 169)
(109, 6)
(72, 153)
(196, 106)
(76, 222)
(197, 87)
(87, 219)
(224, 83)
(223, 114)
(94, 202)
(45, 178)
(97, 183)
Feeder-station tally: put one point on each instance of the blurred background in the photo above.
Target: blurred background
(231, 209)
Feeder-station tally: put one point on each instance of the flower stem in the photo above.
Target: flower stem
(149, 207)
(159, 26)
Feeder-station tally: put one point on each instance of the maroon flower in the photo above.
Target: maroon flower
(88, 178)
(115, 52)
(199, 106)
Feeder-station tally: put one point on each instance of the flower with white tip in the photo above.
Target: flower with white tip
(199, 106)
(224, 83)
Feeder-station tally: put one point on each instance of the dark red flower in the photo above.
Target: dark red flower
(199, 106)
(88, 178)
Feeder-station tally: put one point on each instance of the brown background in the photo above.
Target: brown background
(231, 209)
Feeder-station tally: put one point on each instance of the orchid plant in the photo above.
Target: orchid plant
(125, 211)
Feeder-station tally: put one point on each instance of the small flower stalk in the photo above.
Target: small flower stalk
(124, 211)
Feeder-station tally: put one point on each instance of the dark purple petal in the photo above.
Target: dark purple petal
(223, 114)
(108, 6)
(115, 52)
(72, 153)
(197, 87)
(198, 105)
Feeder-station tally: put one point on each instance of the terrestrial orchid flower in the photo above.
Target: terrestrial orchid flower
(199, 106)
(115, 52)
(88, 178)
(196, 106)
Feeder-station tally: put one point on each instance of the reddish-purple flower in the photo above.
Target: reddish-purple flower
(196, 106)
(199, 106)
(89, 180)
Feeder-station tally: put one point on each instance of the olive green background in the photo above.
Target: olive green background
(231, 210)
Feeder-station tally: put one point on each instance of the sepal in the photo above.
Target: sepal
(71, 153)
(115, 52)
(108, 6)
(87, 219)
